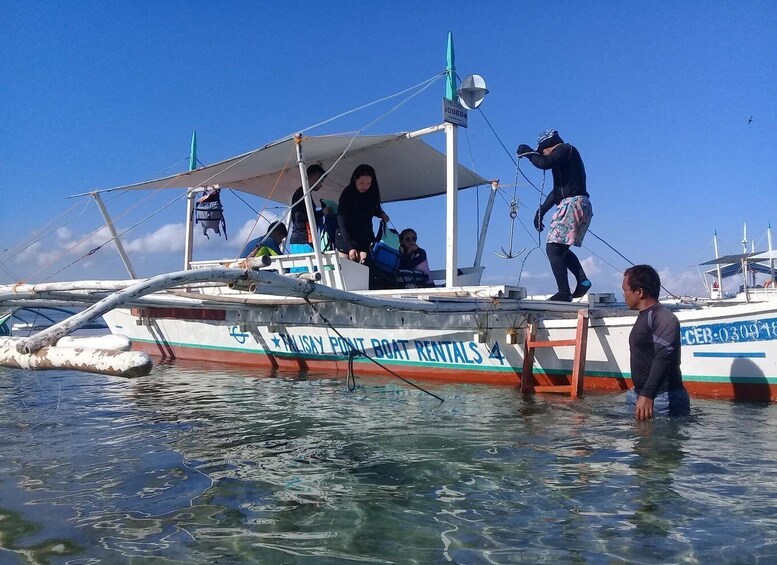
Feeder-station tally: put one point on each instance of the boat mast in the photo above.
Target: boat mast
(451, 153)
(717, 265)
(189, 240)
(309, 208)
(771, 259)
(744, 259)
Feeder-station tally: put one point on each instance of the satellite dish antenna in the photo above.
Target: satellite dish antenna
(473, 90)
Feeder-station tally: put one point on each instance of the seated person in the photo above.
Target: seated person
(412, 257)
(270, 243)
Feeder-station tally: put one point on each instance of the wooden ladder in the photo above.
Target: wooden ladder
(543, 383)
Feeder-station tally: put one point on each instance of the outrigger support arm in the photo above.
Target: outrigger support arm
(267, 282)
(486, 220)
(309, 207)
(116, 239)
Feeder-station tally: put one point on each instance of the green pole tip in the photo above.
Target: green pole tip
(193, 152)
(450, 83)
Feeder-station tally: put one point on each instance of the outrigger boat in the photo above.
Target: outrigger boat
(258, 313)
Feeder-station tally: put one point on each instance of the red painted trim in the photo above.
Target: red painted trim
(180, 313)
(593, 382)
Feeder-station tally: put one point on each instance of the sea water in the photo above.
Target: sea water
(205, 464)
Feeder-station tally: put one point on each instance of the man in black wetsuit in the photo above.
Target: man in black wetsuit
(655, 349)
(573, 209)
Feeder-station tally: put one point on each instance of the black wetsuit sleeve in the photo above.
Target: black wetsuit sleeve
(666, 330)
(546, 162)
(344, 207)
(548, 204)
(298, 212)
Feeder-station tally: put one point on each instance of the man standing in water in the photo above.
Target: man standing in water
(655, 349)
(573, 209)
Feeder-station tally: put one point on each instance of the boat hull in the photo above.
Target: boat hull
(728, 352)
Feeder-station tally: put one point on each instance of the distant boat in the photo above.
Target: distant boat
(460, 331)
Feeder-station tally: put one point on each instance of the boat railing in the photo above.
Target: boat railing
(338, 273)
(467, 276)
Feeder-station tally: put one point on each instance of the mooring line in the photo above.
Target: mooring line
(351, 377)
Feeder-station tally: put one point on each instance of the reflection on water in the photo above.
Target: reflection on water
(196, 464)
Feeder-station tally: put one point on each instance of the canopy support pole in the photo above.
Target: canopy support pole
(189, 241)
(309, 208)
(114, 235)
(188, 245)
(452, 200)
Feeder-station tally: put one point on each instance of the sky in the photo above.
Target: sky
(671, 105)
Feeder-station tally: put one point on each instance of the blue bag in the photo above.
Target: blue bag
(385, 251)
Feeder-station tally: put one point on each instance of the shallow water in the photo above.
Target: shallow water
(196, 465)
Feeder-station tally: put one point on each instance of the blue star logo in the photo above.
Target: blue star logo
(276, 341)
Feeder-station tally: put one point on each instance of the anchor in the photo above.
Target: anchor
(513, 215)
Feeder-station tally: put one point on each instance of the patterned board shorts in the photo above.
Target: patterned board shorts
(570, 221)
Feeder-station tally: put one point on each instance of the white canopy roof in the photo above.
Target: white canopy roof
(406, 168)
(765, 256)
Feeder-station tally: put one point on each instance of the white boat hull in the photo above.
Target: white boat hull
(729, 351)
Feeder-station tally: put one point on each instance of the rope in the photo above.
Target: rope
(425, 83)
(266, 200)
(350, 378)
(118, 235)
(541, 192)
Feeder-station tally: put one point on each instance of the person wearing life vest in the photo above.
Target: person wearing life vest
(301, 238)
(270, 244)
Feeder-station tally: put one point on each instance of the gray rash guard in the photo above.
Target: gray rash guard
(655, 352)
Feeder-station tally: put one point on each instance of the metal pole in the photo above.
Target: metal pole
(452, 174)
(744, 262)
(116, 240)
(189, 241)
(451, 215)
(486, 220)
(309, 207)
(771, 260)
(717, 265)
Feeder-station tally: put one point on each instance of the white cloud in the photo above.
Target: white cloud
(684, 283)
(590, 266)
(84, 244)
(168, 238)
(64, 233)
(253, 228)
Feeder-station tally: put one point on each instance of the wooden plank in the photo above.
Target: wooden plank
(578, 366)
(556, 343)
(527, 380)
